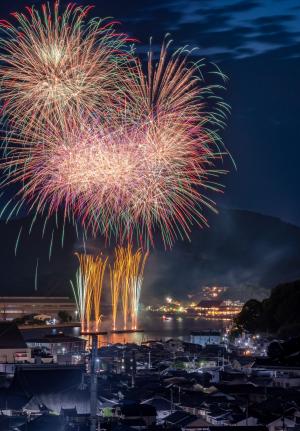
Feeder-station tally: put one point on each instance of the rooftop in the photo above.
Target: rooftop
(56, 338)
(11, 337)
(180, 418)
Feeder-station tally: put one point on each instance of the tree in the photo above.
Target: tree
(277, 314)
(250, 317)
(64, 316)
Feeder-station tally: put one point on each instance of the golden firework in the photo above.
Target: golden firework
(88, 290)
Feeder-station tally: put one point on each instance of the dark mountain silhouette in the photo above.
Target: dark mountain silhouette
(243, 250)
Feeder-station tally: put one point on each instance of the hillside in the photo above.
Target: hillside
(277, 314)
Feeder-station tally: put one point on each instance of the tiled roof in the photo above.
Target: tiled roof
(180, 417)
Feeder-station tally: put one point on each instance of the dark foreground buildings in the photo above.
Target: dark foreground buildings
(158, 385)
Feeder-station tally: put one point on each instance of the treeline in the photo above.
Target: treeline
(279, 314)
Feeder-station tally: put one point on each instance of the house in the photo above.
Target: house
(51, 389)
(281, 424)
(74, 420)
(247, 421)
(218, 416)
(11, 423)
(13, 348)
(135, 412)
(179, 419)
(58, 344)
(122, 427)
(238, 428)
(174, 345)
(191, 402)
(198, 424)
(277, 403)
(286, 380)
(12, 401)
(250, 391)
(44, 422)
(162, 405)
(206, 337)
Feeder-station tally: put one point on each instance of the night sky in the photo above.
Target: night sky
(257, 45)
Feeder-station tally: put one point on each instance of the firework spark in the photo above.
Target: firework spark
(137, 277)
(147, 170)
(88, 290)
(116, 271)
(126, 277)
(55, 64)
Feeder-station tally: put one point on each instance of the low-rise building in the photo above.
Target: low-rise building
(206, 337)
(58, 344)
(135, 412)
(13, 348)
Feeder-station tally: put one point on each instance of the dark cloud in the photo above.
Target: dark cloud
(280, 38)
(204, 25)
(280, 19)
(271, 28)
(282, 53)
(212, 25)
(245, 51)
(230, 39)
(242, 6)
(274, 30)
(209, 34)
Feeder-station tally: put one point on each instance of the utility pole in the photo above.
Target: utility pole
(171, 389)
(93, 377)
(93, 382)
(149, 360)
(133, 369)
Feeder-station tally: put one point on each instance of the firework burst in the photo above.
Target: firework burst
(55, 64)
(147, 170)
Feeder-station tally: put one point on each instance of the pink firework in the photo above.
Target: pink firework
(144, 170)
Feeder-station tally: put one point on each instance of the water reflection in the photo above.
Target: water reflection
(154, 329)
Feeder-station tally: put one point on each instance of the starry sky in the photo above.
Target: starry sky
(257, 45)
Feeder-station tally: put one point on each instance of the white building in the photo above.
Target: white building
(206, 337)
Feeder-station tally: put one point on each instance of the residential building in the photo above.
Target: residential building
(206, 337)
(13, 348)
